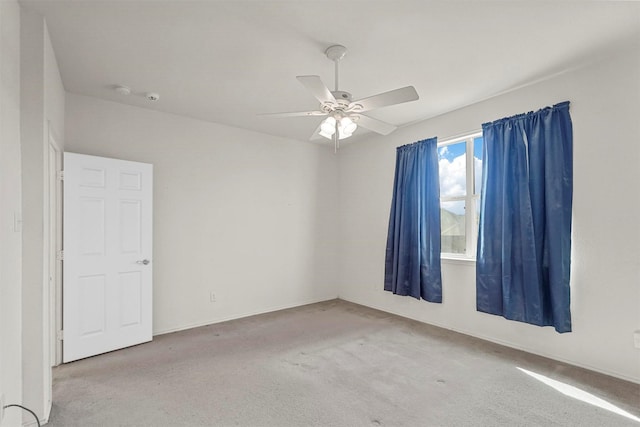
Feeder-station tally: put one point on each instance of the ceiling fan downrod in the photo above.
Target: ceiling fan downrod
(336, 53)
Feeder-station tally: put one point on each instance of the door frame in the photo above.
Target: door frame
(54, 203)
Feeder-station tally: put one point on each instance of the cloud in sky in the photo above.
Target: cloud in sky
(453, 178)
(443, 152)
(478, 173)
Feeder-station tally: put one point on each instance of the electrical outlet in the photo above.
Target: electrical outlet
(636, 339)
(212, 297)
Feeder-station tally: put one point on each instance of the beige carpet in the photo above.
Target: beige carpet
(328, 364)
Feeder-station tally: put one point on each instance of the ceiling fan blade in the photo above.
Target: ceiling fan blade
(318, 89)
(375, 125)
(397, 96)
(295, 114)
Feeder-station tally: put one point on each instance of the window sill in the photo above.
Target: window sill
(457, 260)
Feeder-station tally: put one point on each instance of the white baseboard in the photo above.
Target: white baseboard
(507, 344)
(240, 316)
(461, 331)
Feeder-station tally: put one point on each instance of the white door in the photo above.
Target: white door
(107, 280)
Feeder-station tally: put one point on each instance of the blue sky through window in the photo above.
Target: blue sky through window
(477, 147)
(453, 171)
(451, 151)
(458, 202)
(477, 159)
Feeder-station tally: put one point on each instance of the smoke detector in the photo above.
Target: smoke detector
(123, 90)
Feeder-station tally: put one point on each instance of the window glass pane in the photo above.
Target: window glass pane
(452, 223)
(477, 163)
(452, 165)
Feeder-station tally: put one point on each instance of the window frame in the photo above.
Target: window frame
(471, 199)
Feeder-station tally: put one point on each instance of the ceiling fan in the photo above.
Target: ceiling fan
(345, 115)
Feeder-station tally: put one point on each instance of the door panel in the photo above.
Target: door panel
(91, 298)
(107, 294)
(92, 232)
(130, 232)
(130, 298)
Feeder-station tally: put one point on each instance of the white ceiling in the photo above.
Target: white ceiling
(228, 61)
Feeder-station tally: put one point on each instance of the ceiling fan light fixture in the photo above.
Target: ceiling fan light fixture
(326, 134)
(346, 127)
(328, 127)
(344, 135)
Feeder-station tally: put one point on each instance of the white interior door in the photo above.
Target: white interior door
(107, 242)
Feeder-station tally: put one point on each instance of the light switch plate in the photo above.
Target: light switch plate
(636, 339)
(1, 408)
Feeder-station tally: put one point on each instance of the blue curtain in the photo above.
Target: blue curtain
(412, 264)
(524, 242)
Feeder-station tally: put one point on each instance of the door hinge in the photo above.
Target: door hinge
(60, 175)
(60, 335)
(60, 256)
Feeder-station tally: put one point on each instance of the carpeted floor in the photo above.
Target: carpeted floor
(328, 364)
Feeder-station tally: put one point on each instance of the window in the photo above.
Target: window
(460, 164)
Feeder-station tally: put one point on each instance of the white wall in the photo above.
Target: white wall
(54, 93)
(238, 213)
(605, 109)
(10, 238)
(42, 105)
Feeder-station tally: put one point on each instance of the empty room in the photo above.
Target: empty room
(319, 213)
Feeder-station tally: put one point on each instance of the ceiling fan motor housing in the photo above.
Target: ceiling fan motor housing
(343, 100)
(341, 95)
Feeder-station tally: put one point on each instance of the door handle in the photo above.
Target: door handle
(143, 262)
